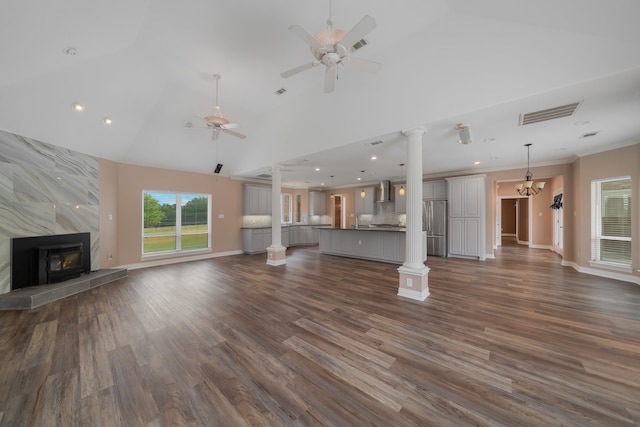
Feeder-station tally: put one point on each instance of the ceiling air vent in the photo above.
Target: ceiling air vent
(548, 114)
(589, 134)
(280, 91)
(360, 44)
(374, 143)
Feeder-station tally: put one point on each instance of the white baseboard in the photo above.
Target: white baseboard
(490, 256)
(603, 273)
(415, 295)
(177, 260)
(548, 247)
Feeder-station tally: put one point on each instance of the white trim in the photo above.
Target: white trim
(622, 268)
(276, 262)
(509, 234)
(603, 273)
(415, 295)
(177, 260)
(489, 256)
(548, 247)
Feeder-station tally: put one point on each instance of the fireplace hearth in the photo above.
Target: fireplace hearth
(43, 260)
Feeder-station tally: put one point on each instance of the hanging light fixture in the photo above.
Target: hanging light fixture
(332, 196)
(529, 188)
(363, 193)
(401, 191)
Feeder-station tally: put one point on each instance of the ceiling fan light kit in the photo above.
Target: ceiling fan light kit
(216, 122)
(528, 187)
(464, 134)
(331, 47)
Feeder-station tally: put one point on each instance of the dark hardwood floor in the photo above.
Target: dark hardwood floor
(324, 340)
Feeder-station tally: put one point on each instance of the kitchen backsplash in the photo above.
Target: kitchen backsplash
(385, 214)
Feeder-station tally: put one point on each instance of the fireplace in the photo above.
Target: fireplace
(59, 262)
(44, 260)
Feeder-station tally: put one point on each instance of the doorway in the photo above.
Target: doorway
(558, 225)
(512, 220)
(339, 211)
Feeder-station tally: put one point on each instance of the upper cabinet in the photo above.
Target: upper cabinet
(317, 203)
(366, 204)
(256, 200)
(434, 190)
(400, 200)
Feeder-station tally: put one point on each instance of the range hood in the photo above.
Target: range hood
(384, 191)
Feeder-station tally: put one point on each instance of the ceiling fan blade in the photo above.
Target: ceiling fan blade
(358, 31)
(330, 77)
(229, 126)
(236, 134)
(306, 36)
(362, 64)
(299, 69)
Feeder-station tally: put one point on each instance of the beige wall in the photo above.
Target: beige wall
(132, 180)
(108, 206)
(611, 164)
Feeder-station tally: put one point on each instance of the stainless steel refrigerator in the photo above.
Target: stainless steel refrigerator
(434, 220)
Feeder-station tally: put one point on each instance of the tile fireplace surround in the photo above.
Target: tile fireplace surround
(45, 190)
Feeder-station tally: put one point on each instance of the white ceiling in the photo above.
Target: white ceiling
(149, 64)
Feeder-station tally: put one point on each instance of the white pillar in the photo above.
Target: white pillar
(413, 281)
(276, 252)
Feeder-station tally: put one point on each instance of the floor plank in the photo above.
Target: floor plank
(326, 341)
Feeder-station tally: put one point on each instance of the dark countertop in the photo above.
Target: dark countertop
(396, 229)
(289, 226)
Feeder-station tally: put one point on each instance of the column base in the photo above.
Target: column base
(276, 255)
(414, 282)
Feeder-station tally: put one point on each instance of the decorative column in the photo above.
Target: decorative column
(414, 275)
(276, 252)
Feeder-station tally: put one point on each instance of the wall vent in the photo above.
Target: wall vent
(548, 114)
(589, 134)
(360, 44)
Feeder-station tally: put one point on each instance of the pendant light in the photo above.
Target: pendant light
(363, 193)
(401, 191)
(528, 188)
(332, 196)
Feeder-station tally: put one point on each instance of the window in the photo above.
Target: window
(167, 229)
(611, 222)
(285, 208)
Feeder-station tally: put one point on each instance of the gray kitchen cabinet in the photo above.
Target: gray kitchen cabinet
(256, 240)
(400, 200)
(467, 214)
(317, 203)
(434, 190)
(365, 205)
(256, 200)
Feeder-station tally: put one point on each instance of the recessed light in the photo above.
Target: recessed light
(488, 139)
(494, 158)
(107, 120)
(77, 106)
(322, 183)
(358, 179)
(317, 169)
(71, 50)
(476, 162)
(374, 158)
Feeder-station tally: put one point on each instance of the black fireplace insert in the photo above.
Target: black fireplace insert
(42, 260)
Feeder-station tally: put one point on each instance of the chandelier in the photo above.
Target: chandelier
(529, 188)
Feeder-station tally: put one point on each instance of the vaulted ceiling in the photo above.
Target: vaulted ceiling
(148, 65)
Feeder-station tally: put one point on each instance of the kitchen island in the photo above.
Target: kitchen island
(376, 244)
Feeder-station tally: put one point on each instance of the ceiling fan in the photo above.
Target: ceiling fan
(331, 47)
(217, 122)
